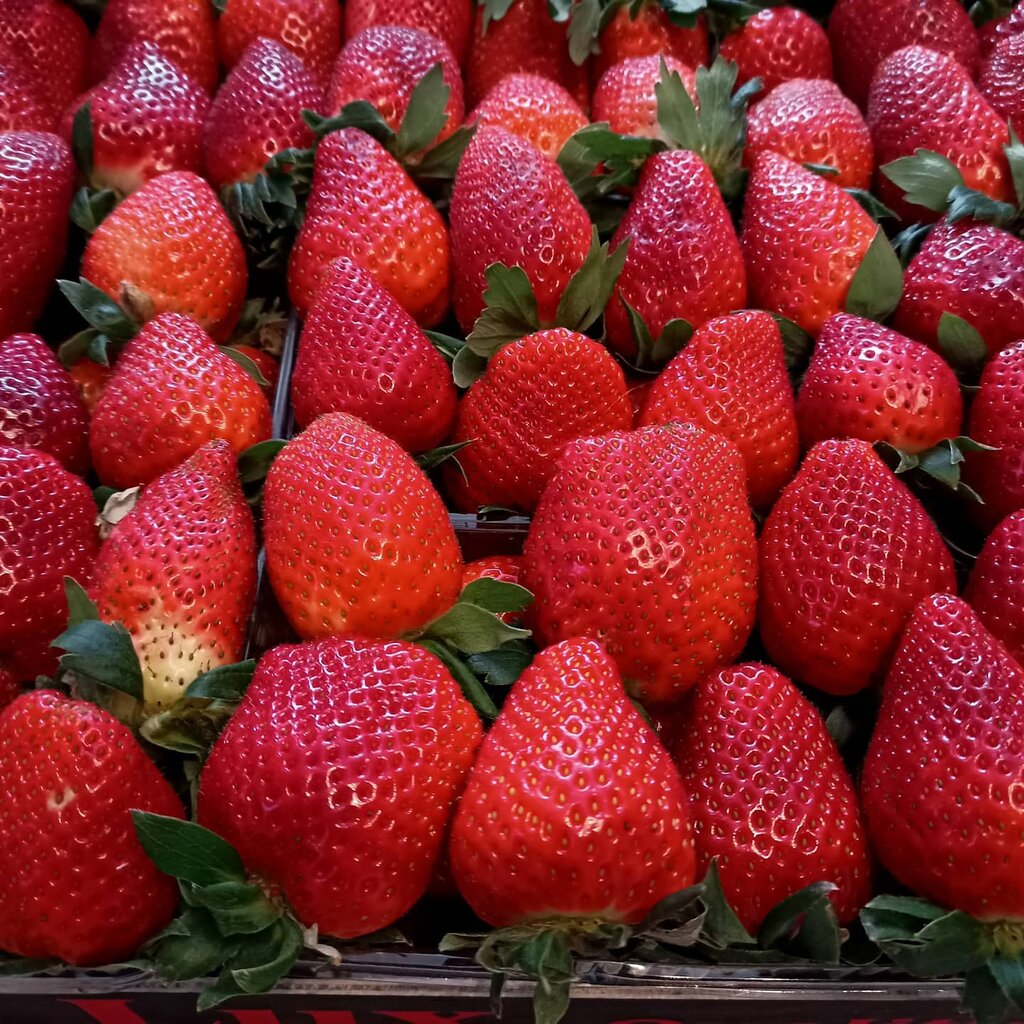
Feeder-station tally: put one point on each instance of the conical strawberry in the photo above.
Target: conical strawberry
(625, 96)
(21, 109)
(999, 80)
(447, 20)
(996, 587)
(645, 30)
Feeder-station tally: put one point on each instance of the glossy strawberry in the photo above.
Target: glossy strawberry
(447, 20)
(993, 32)
(645, 30)
(268, 365)
(1000, 80)
(996, 587)
(21, 109)
(625, 96)
(90, 380)
(506, 568)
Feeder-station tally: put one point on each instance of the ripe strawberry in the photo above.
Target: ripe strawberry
(90, 380)
(993, 32)
(172, 391)
(803, 240)
(846, 553)
(39, 406)
(10, 688)
(625, 96)
(447, 20)
(257, 113)
(169, 247)
(268, 365)
(868, 382)
(337, 775)
(513, 205)
(731, 380)
(364, 205)
(769, 795)
(645, 31)
(344, 504)
(537, 394)
(21, 109)
(506, 568)
(46, 533)
(573, 808)
(36, 180)
(534, 108)
(777, 45)
(360, 352)
(808, 120)
(1000, 81)
(671, 602)
(996, 587)
(859, 45)
(684, 259)
(938, 755)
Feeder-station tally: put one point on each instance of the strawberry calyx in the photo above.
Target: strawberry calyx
(877, 284)
(962, 346)
(92, 202)
(111, 325)
(653, 353)
(253, 465)
(941, 463)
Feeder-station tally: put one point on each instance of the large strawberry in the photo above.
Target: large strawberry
(364, 205)
(337, 776)
(21, 109)
(447, 20)
(360, 352)
(645, 542)
(645, 30)
(1000, 80)
(996, 587)
(625, 96)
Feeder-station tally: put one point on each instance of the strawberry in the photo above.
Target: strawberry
(46, 533)
(809, 121)
(10, 688)
(777, 45)
(169, 247)
(337, 775)
(21, 109)
(268, 365)
(39, 405)
(625, 96)
(1000, 82)
(257, 113)
(769, 795)
(996, 587)
(993, 32)
(671, 600)
(534, 108)
(803, 240)
(90, 380)
(360, 352)
(868, 382)
(684, 260)
(506, 568)
(846, 553)
(36, 180)
(537, 394)
(513, 205)
(172, 391)
(731, 380)
(859, 47)
(344, 504)
(644, 30)
(364, 205)
(573, 810)
(447, 20)
(72, 773)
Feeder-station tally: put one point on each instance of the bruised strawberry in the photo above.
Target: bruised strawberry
(447, 20)
(996, 587)
(1000, 80)
(21, 109)
(644, 30)
(625, 96)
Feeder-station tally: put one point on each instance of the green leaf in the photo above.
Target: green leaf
(102, 652)
(227, 682)
(683, 12)
(872, 205)
(190, 947)
(471, 629)
(797, 344)
(442, 161)
(99, 310)
(77, 347)
(721, 924)
(448, 345)
(496, 595)
(584, 26)
(808, 919)
(984, 998)
(494, 10)
(261, 962)
(425, 116)
(82, 139)
(1015, 158)
(80, 607)
(237, 356)
(908, 242)
(651, 354)
(825, 170)
(237, 907)
(1009, 975)
(467, 367)
(187, 851)
(677, 114)
(187, 727)
(926, 178)
(17, 967)
(590, 288)
(961, 344)
(510, 310)
(359, 114)
(471, 687)
(501, 667)
(967, 202)
(430, 460)
(878, 283)
(254, 463)
(91, 206)
(596, 160)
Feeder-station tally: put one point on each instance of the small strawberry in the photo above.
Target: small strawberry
(21, 109)
(10, 688)
(447, 20)
(644, 30)
(996, 587)
(90, 380)
(625, 96)
(268, 365)
(506, 568)
(1000, 80)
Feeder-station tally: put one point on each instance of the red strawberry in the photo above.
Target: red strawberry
(625, 96)
(344, 504)
(810, 121)
(731, 380)
(258, 112)
(39, 405)
(777, 45)
(859, 45)
(360, 352)
(46, 533)
(803, 240)
(868, 382)
(447, 20)
(1000, 80)
(268, 365)
(573, 808)
(949, 748)
(90, 380)
(72, 773)
(846, 553)
(513, 205)
(506, 568)
(364, 205)
(537, 394)
(645, 31)
(993, 32)
(996, 587)
(169, 247)
(769, 795)
(10, 688)
(645, 542)
(36, 180)
(21, 109)
(684, 259)
(172, 391)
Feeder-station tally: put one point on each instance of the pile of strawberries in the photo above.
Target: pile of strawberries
(727, 301)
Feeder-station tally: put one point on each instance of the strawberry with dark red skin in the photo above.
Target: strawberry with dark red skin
(996, 587)
(1000, 80)
(257, 113)
(536, 395)
(39, 405)
(992, 33)
(573, 811)
(268, 365)
(72, 775)
(169, 247)
(809, 121)
(10, 688)
(447, 20)
(803, 240)
(777, 45)
(731, 380)
(625, 96)
(846, 553)
(46, 533)
(859, 44)
(647, 32)
(21, 109)
(769, 795)
(343, 503)
(364, 205)
(90, 380)
(866, 381)
(670, 603)
(360, 352)
(513, 205)
(172, 391)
